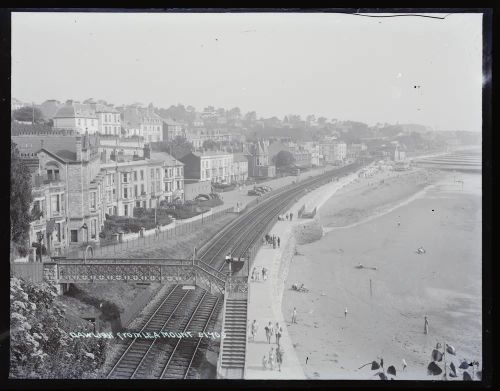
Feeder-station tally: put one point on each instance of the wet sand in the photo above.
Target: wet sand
(444, 283)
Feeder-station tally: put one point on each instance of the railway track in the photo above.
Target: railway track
(196, 310)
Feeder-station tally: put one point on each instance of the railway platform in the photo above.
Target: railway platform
(265, 297)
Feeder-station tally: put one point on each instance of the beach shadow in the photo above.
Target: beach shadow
(261, 342)
(256, 368)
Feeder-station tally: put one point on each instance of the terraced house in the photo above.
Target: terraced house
(76, 185)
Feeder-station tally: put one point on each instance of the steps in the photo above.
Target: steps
(235, 328)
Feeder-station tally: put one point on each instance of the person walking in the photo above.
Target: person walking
(264, 273)
(294, 315)
(268, 332)
(279, 357)
(291, 216)
(287, 217)
(345, 313)
(271, 359)
(404, 364)
(254, 329)
(426, 325)
(264, 362)
(278, 333)
(278, 241)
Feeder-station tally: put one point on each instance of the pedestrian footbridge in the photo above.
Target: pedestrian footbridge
(179, 271)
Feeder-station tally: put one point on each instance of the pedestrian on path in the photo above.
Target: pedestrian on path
(278, 241)
(345, 313)
(254, 328)
(294, 315)
(279, 357)
(426, 325)
(287, 217)
(404, 364)
(268, 332)
(274, 242)
(271, 359)
(264, 273)
(278, 333)
(264, 362)
(291, 216)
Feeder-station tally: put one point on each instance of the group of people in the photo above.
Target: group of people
(272, 240)
(275, 357)
(256, 273)
(286, 217)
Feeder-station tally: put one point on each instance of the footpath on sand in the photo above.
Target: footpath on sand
(264, 301)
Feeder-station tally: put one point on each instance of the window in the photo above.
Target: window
(56, 175)
(74, 235)
(49, 175)
(93, 200)
(177, 171)
(158, 187)
(114, 193)
(142, 175)
(58, 232)
(125, 192)
(54, 203)
(109, 196)
(179, 185)
(125, 210)
(135, 175)
(138, 204)
(157, 173)
(135, 191)
(125, 177)
(142, 188)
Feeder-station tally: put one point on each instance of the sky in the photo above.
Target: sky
(398, 69)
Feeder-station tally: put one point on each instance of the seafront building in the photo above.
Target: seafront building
(333, 152)
(213, 166)
(77, 181)
(259, 161)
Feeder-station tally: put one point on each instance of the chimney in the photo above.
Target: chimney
(78, 147)
(147, 151)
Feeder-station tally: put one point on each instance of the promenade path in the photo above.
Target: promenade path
(265, 297)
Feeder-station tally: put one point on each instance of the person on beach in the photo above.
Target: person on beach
(426, 325)
(404, 364)
(294, 315)
(264, 362)
(279, 357)
(274, 242)
(271, 359)
(291, 216)
(345, 313)
(287, 217)
(278, 241)
(264, 273)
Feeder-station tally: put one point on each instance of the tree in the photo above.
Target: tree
(311, 118)
(234, 113)
(20, 200)
(322, 121)
(211, 145)
(28, 114)
(284, 159)
(251, 116)
(41, 345)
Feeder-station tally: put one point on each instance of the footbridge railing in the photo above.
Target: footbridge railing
(180, 271)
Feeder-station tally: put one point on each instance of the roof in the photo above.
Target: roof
(210, 153)
(75, 110)
(165, 157)
(239, 157)
(100, 108)
(170, 122)
(62, 146)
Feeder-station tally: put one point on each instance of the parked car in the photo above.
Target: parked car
(253, 192)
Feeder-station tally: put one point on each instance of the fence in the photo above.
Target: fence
(150, 237)
(32, 271)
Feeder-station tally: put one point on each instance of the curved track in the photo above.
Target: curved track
(196, 310)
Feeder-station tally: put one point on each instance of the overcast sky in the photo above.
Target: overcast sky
(334, 65)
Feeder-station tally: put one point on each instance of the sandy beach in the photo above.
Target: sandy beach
(379, 222)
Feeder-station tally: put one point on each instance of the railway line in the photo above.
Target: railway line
(196, 310)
